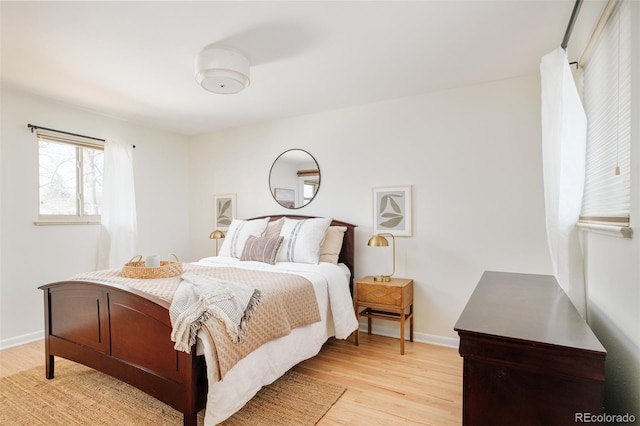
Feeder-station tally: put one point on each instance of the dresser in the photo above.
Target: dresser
(529, 357)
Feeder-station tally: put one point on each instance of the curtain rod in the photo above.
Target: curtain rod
(34, 127)
(572, 21)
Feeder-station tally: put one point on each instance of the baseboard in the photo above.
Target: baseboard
(21, 340)
(380, 329)
(393, 331)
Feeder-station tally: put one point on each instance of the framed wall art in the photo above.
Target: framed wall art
(285, 197)
(392, 210)
(224, 210)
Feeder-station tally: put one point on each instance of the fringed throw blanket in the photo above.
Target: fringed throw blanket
(287, 301)
(200, 297)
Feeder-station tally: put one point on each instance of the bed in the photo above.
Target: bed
(118, 329)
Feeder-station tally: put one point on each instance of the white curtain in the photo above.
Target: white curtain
(564, 133)
(118, 233)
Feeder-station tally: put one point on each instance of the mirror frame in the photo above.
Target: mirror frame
(273, 189)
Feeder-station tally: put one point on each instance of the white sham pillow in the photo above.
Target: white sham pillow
(302, 239)
(332, 244)
(238, 233)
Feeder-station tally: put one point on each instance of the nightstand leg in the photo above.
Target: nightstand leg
(402, 333)
(358, 325)
(368, 325)
(411, 323)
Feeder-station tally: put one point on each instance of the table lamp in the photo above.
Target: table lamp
(217, 235)
(379, 240)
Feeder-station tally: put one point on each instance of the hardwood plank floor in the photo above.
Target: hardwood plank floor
(20, 358)
(421, 387)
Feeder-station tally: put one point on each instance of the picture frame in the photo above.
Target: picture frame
(224, 210)
(392, 210)
(285, 197)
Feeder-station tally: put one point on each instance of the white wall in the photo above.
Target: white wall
(472, 155)
(613, 276)
(35, 255)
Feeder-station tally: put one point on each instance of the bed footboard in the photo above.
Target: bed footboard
(125, 334)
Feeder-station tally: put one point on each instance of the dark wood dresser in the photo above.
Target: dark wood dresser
(529, 357)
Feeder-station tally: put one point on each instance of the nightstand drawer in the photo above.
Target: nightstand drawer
(380, 294)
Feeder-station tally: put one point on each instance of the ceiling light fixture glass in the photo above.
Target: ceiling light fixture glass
(222, 69)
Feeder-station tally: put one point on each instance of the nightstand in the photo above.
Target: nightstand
(385, 300)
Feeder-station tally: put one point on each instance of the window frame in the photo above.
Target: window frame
(80, 144)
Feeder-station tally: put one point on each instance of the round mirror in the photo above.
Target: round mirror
(294, 178)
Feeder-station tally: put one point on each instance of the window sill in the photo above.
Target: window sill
(612, 230)
(65, 222)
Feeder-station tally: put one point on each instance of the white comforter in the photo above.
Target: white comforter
(273, 359)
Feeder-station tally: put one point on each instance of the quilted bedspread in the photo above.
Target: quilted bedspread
(288, 301)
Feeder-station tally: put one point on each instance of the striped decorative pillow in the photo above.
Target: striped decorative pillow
(238, 233)
(302, 239)
(262, 249)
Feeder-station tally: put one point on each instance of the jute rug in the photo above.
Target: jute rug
(82, 396)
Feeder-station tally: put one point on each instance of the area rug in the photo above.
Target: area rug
(79, 395)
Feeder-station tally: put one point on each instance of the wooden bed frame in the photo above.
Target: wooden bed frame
(126, 334)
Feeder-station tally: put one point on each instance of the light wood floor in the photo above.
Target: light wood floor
(421, 387)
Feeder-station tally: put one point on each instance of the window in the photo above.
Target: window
(70, 177)
(309, 191)
(607, 102)
(308, 182)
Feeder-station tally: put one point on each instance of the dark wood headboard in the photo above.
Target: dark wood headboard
(347, 253)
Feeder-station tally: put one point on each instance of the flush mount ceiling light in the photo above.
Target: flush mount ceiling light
(222, 69)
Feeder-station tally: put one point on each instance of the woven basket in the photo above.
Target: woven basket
(136, 268)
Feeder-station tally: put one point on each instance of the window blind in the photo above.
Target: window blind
(607, 102)
(73, 139)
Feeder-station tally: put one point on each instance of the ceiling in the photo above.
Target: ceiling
(135, 60)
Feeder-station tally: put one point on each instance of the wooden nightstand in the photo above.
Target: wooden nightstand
(385, 300)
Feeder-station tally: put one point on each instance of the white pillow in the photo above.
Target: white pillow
(302, 239)
(332, 244)
(238, 233)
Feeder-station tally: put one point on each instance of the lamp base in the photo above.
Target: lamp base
(382, 278)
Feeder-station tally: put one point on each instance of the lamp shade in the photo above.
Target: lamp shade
(378, 241)
(222, 69)
(216, 235)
